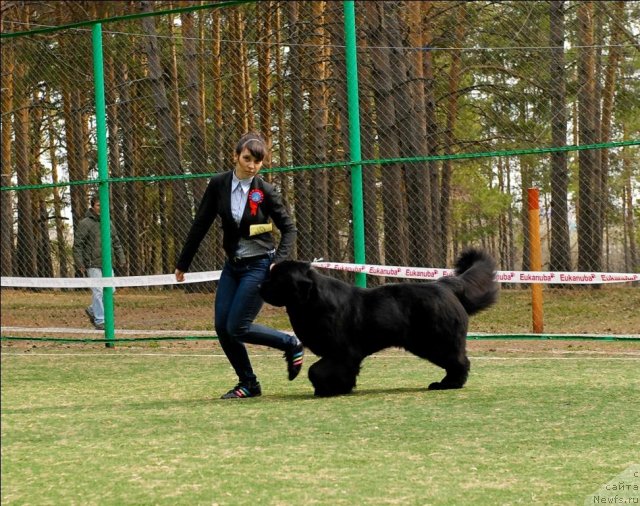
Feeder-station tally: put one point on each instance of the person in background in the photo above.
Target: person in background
(248, 208)
(87, 255)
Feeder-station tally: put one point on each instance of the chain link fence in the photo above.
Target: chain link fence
(463, 106)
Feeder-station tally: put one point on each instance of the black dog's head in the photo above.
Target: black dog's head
(289, 282)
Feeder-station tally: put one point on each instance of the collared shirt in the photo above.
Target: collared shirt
(216, 203)
(239, 195)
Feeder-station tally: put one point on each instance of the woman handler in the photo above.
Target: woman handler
(248, 207)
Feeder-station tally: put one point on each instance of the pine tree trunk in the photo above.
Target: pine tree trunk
(180, 211)
(25, 257)
(432, 137)
(632, 259)
(203, 58)
(394, 205)
(560, 254)
(410, 125)
(449, 133)
(240, 114)
(318, 131)
(44, 261)
(130, 230)
(117, 190)
(197, 155)
(589, 234)
(503, 236)
(57, 201)
(196, 149)
(217, 148)
(302, 197)
(526, 176)
(265, 10)
(280, 105)
(217, 152)
(249, 113)
(6, 197)
(608, 100)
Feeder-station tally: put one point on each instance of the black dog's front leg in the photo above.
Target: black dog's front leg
(333, 376)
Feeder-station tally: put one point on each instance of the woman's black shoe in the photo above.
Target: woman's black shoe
(295, 357)
(243, 391)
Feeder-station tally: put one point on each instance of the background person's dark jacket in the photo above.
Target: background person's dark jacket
(217, 202)
(87, 244)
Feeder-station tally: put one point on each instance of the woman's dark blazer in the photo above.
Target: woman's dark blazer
(216, 201)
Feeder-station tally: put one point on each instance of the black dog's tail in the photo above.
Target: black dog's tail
(474, 282)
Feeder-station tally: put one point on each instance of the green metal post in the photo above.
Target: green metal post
(103, 174)
(354, 138)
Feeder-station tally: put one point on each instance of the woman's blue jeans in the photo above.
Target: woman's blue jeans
(237, 304)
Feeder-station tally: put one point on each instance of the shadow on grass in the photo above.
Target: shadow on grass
(373, 392)
(204, 401)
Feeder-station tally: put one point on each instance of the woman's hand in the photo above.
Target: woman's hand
(179, 276)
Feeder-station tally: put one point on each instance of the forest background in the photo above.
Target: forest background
(463, 106)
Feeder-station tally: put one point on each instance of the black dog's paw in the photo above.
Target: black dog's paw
(442, 386)
(320, 393)
(330, 393)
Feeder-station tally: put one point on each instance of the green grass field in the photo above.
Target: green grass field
(86, 425)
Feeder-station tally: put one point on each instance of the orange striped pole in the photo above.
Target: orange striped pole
(537, 308)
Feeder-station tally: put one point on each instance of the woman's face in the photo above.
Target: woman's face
(246, 165)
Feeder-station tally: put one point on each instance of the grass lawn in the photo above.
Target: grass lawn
(89, 425)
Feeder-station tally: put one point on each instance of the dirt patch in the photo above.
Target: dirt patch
(497, 347)
(545, 347)
(174, 320)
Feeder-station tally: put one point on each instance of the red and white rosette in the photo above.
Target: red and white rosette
(256, 197)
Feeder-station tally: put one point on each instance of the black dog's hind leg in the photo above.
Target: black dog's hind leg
(456, 377)
(330, 376)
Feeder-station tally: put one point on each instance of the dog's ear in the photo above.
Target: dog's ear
(303, 289)
(304, 286)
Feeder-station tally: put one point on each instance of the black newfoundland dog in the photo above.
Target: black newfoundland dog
(343, 324)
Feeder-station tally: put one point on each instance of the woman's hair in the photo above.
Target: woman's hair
(255, 143)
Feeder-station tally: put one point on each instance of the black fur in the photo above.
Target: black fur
(343, 324)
